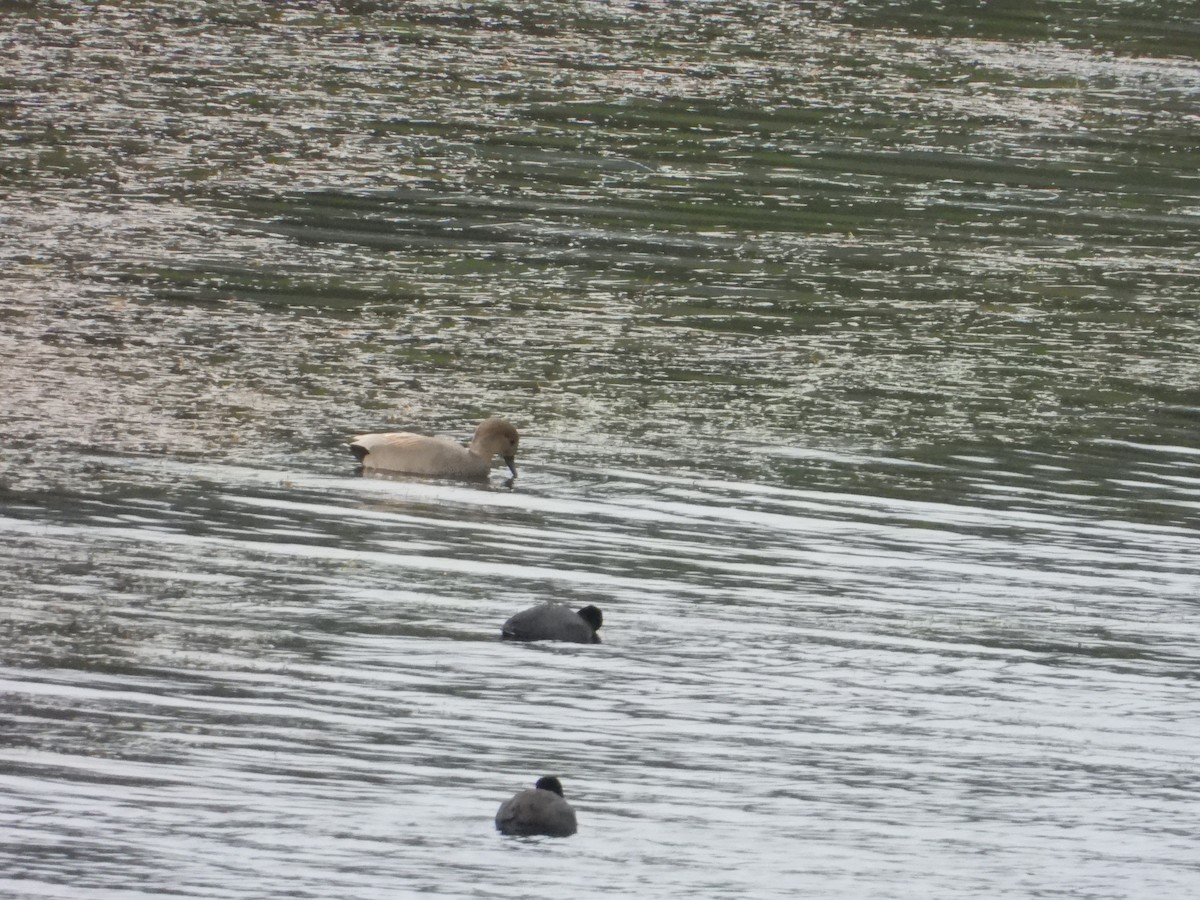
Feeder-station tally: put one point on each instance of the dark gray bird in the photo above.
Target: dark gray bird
(538, 810)
(554, 622)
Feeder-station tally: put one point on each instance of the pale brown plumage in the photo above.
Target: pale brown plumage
(403, 451)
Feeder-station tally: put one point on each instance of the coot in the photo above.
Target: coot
(538, 810)
(554, 622)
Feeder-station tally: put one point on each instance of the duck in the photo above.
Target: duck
(554, 622)
(417, 454)
(537, 810)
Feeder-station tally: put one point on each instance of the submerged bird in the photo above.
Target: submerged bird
(403, 451)
(538, 810)
(554, 622)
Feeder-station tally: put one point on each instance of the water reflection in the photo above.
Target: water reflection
(773, 656)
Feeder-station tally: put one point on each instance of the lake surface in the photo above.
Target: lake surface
(854, 353)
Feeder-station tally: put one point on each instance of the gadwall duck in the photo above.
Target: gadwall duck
(403, 451)
(538, 810)
(554, 622)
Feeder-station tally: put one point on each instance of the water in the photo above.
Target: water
(853, 351)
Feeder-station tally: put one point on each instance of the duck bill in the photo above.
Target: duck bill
(511, 462)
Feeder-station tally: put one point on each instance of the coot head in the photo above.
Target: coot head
(592, 615)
